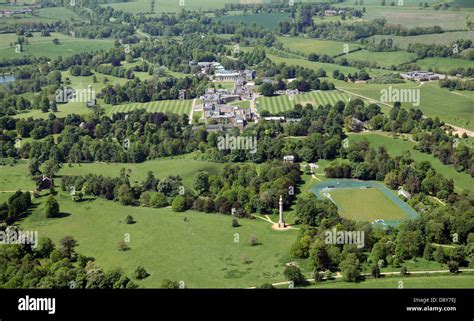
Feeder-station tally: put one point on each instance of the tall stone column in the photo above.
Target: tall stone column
(281, 221)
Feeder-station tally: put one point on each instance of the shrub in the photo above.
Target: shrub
(179, 204)
(129, 219)
(235, 222)
(141, 273)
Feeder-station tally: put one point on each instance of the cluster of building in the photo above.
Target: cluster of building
(220, 115)
(218, 111)
(222, 74)
(334, 12)
(421, 75)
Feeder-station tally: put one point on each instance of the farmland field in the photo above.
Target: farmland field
(443, 65)
(174, 106)
(43, 46)
(266, 20)
(382, 59)
(283, 103)
(309, 45)
(411, 17)
(138, 6)
(329, 68)
(452, 107)
(446, 38)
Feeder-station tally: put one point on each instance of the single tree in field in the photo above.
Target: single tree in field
(51, 208)
(129, 219)
(350, 268)
(68, 243)
(293, 273)
(141, 273)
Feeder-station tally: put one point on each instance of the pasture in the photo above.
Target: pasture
(306, 46)
(44, 47)
(443, 65)
(202, 251)
(381, 59)
(266, 20)
(279, 104)
(366, 205)
(446, 38)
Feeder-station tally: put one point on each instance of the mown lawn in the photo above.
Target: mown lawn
(366, 205)
(44, 47)
(310, 45)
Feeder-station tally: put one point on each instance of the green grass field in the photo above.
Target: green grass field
(309, 45)
(43, 46)
(366, 205)
(266, 20)
(329, 68)
(452, 107)
(58, 13)
(446, 38)
(283, 103)
(413, 16)
(138, 6)
(201, 252)
(173, 106)
(382, 59)
(184, 166)
(15, 177)
(443, 65)
(241, 104)
(396, 147)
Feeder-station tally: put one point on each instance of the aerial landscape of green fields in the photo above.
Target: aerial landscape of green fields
(208, 144)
